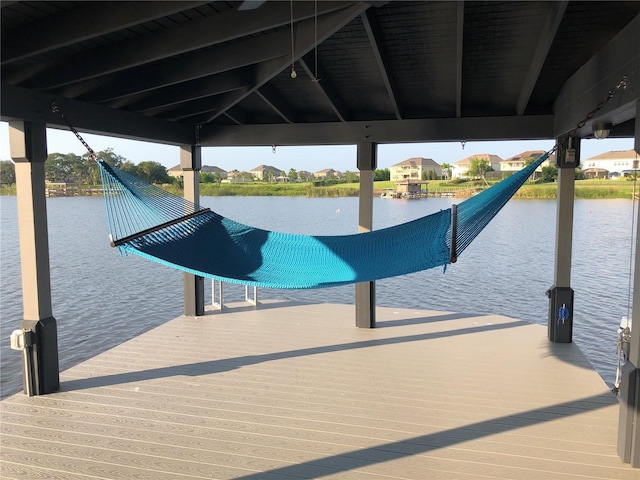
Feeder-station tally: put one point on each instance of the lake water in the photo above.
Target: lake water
(101, 299)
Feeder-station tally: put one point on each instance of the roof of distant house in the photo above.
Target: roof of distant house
(424, 162)
(204, 169)
(525, 155)
(482, 156)
(616, 155)
(269, 168)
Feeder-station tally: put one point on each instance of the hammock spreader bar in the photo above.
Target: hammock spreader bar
(129, 238)
(147, 221)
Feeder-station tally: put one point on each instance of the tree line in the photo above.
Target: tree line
(83, 170)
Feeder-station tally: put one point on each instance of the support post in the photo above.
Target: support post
(191, 163)
(366, 291)
(560, 327)
(28, 144)
(629, 417)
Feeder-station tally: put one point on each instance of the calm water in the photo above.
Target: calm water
(101, 299)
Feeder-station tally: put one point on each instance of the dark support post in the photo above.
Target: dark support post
(629, 418)
(560, 327)
(366, 291)
(453, 249)
(191, 163)
(28, 143)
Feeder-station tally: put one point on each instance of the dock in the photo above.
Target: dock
(295, 391)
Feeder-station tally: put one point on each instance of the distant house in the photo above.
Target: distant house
(303, 175)
(236, 176)
(266, 172)
(618, 163)
(413, 168)
(460, 169)
(521, 160)
(327, 173)
(177, 171)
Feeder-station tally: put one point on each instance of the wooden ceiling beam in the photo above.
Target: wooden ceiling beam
(202, 107)
(203, 87)
(22, 104)
(191, 66)
(304, 41)
(205, 32)
(532, 127)
(88, 20)
(459, 55)
(547, 34)
(277, 103)
(374, 34)
(324, 86)
(601, 74)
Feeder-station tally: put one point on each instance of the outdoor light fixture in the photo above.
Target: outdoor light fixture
(601, 130)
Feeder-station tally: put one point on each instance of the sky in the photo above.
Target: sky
(312, 159)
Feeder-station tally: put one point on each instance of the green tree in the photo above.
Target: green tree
(153, 172)
(549, 173)
(293, 175)
(110, 157)
(7, 172)
(446, 171)
(478, 167)
(207, 177)
(217, 177)
(129, 167)
(351, 177)
(61, 167)
(381, 174)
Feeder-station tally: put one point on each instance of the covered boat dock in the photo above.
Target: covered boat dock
(247, 73)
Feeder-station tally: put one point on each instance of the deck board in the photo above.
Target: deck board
(296, 391)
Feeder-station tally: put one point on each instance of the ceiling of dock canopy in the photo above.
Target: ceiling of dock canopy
(220, 73)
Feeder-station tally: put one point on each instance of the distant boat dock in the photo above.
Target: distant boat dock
(408, 190)
(69, 189)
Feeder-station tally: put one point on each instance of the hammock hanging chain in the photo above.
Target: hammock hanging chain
(622, 85)
(92, 154)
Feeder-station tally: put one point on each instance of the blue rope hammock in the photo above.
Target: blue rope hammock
(147, 221)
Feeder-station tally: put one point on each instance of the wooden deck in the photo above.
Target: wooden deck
(296, 391)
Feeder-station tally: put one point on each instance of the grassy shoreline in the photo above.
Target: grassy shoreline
(584, 189)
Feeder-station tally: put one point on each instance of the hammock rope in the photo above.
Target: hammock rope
(147, 221)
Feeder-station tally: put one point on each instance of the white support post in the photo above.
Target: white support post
(217, 285)
(253, 301)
